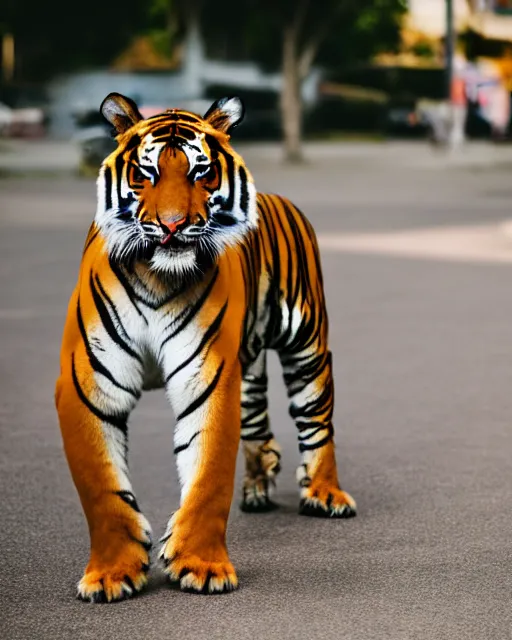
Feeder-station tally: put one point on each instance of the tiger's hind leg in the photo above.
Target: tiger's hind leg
(308, 377)
(262, 453)
(93, 400)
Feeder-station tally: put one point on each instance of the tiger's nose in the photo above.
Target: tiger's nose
(172, 224)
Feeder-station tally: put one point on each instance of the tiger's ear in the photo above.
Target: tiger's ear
(225, 114)
(120, 111)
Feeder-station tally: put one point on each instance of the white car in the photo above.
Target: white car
(27, 122)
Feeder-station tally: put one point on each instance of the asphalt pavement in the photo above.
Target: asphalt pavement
(423, 418)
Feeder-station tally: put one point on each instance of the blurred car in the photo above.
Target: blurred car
(21, 123)
(94, 139)
(27, 123)
(5, 119)
(404, 118)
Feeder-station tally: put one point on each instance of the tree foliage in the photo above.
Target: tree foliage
(60, 36)
(63, 36)
(338, 32)
(291, 35)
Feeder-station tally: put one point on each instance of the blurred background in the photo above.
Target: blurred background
(388, 123)
(341, 69)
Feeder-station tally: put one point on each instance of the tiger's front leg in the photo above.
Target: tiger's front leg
(207, 407)
(99, 384)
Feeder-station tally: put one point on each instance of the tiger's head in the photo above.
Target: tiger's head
(174, 193)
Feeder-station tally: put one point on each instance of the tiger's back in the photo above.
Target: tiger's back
(283, 279)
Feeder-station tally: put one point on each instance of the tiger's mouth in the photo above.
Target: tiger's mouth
(176, 240)
(174, 234)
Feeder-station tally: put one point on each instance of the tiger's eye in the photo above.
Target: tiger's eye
(137, 175)
(211, 174)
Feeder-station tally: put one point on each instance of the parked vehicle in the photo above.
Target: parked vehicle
(21, 123)
(94, 139)
(5, 119)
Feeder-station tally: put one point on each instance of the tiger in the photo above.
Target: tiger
(188, 277)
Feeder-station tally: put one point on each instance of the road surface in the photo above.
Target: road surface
(421, 332)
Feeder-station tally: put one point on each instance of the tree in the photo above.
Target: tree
(292, 35)
(338, 29)
(183, 18)
(65, 37)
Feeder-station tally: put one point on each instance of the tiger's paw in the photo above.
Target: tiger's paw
(327, 502)
(201, 576)
(256, 495)
(114, 583)
(118, 566)
(263, 465)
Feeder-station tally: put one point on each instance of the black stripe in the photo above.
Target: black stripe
(145, 545)
(250, 273)
(244, 192)
(129, 499)
(274, 268)
(187, 132)
(261, 435)
(298, 236)
(255, 413)
(119, 422)
(108, 324)
(108, 188)
(307, 332)
(95, 363)
(199, 168)
(91, 237)
(119, 165)
(201, 399)
(231, 179)
(187, 314)
(316, 407)
(112, 306)
(313, 434)
(291, 292)
(188, 117)
(127, 287)
(211, 331)
(176, 115)
(161, 132)
(182, 447)
(305, 375)
(316, 445)
(184, 285)
(255, 404)
(133, 142)
(159, 116)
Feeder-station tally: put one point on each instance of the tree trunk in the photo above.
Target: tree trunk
(193, 50)
(291, 99)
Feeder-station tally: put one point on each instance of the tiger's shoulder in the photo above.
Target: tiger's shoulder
(281, 213)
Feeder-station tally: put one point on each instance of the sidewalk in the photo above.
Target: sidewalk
(482, 243)
(62, 156)
(34, 156)
(417, 154)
